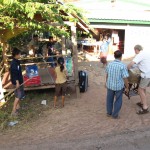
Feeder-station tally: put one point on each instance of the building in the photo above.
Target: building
(127, 21)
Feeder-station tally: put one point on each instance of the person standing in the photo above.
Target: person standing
(34, 45)
(142, 59)
(50, 52)
(99, 45)
(104, 50)
(61, 78)
(116, 78)
(16, 79)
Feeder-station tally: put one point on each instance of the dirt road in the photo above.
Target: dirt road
(80, 120)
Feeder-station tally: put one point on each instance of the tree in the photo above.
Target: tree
(35, 15)
(70, 0)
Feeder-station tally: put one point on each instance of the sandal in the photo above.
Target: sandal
(142, 111)
(140, 104)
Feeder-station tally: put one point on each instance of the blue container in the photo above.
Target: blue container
(32, 71)
(69, 65)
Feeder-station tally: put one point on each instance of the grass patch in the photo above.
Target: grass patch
(31, 108)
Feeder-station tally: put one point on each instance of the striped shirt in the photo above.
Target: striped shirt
(116, 71)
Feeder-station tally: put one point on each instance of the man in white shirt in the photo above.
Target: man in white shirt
(34, 45)
(142, 59)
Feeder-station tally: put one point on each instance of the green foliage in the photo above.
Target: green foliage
(21, 39)
(79, 11)
(36, 15)
(31, 109)
(0, 49)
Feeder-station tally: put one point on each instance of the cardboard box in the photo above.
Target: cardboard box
(34, 81)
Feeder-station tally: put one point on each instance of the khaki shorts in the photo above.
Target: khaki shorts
(144, 82)
(60, 89)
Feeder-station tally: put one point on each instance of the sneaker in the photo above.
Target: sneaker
(115, 117)
(108, 115)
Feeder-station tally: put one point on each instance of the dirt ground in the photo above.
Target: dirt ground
(79, 118)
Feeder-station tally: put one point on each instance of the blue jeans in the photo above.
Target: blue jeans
(51, 60)
(113, 107)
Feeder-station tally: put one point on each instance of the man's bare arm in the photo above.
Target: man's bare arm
(130, 64)
(106, 79)
(126, 84)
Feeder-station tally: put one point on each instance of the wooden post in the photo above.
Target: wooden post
(4, 46)
(5, 59)
(75, 58)
(1, 93)
(63, 45)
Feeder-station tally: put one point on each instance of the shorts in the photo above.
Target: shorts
(19, 93)
(52, 62)
(104, 59)
(144, 82)
(60, 88)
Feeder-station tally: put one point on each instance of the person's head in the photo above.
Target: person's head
(16, 53)
(138, 48)
(50, 38)
(35, 37)
(60, 62)
(105, 38)
(118, 54)
(108, 35)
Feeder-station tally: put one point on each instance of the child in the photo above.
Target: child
(61, 78)
(16, 79)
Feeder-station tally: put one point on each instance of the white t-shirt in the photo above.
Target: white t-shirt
(143, 61)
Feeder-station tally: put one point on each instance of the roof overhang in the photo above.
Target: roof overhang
(118, 21)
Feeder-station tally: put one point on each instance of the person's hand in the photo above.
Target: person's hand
(67, 77)
(126, 90)
(17, 85)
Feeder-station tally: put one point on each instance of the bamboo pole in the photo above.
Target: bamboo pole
(2, 64)
(1, 72)
(31, 58)
(63, 45)
(38, 63)
(75, 58)
(2, 98)
(5, 58)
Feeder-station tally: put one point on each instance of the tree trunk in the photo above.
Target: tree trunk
(75, 58)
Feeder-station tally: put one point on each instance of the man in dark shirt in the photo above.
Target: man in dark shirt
(50, 47)
(16, 79)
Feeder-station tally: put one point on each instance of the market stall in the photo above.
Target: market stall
(46, 77)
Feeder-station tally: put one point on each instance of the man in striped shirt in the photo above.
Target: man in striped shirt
(116, 77)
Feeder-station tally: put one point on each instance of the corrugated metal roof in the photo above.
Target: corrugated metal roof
(120, 16)
(125, 11)
(120, 4)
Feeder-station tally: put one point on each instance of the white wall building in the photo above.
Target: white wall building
(130, 18)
